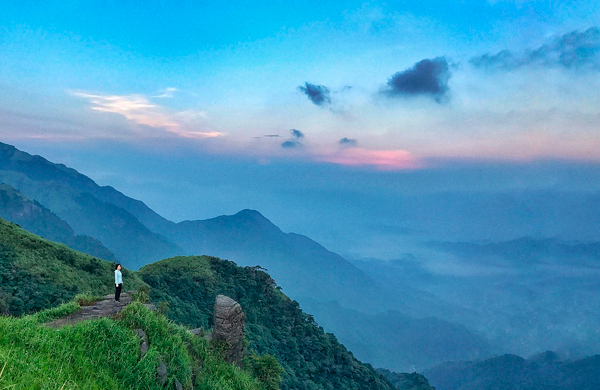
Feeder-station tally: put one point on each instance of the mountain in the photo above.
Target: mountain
(275, 324)
(86, 207)
(541, 372)
(304, 269)
(405, 381)
(37, 219)
(36, 274)
(397, 341)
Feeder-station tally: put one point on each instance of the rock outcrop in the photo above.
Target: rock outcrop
(144, 345)
(229, 327)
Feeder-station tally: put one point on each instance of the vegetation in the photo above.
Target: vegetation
(36, 274)
(104, 354)
(405, 381)
(285, 345)
(275, 325)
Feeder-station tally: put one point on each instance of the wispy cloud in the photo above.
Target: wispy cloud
(426, 77)
(141, 110)
(575, 49)
(166, 93)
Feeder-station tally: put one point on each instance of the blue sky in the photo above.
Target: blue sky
(306, 88)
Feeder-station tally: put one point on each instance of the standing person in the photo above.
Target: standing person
(118, 283)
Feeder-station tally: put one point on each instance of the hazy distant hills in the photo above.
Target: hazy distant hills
(399, 342)
(37, 219)
(450, 300)
(542, 372)
(137, 236)
(83, 205)
(303, 267)
(524, 251)
(525, 295)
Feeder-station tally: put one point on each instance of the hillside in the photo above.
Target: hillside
(85, 206)
(300, 265)
(37, 219)
(397, 341)
(104, 354)
(275, 324)
(37, 274)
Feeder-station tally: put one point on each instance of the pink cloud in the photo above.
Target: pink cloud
(381, 159)
(139, 109)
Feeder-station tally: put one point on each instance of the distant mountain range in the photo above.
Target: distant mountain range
(402, 315)
(541, 372)
(72, 209)
(31, 215)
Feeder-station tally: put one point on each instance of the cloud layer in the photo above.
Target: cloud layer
(575, 49)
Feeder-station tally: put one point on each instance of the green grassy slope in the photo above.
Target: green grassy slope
(36, 274)
(312, 359)
(104, 354)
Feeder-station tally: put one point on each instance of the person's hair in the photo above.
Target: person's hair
(117, 266)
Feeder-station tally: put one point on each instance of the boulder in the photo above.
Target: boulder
(178, 385)
(143, 341)
(161, 371)
(229, 327)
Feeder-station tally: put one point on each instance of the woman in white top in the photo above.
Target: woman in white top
(118, 283)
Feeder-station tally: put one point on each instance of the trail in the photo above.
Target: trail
(107, 307)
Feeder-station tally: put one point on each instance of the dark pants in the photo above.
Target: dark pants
(118, 292)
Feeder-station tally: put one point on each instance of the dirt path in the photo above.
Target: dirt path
(107, 307)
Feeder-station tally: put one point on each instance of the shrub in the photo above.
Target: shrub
(266, 369)
(142, 295)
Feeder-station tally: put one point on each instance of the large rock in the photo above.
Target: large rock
(229, 327)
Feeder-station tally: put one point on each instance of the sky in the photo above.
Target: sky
(306, 109)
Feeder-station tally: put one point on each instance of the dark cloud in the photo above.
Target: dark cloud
(294, 141)
(574, 49)
(290, 144)
(318, 94)
(427, 77)
(348, 142)
(297, 134)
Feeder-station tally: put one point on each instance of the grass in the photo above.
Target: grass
(104, 354)
(86, 299)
